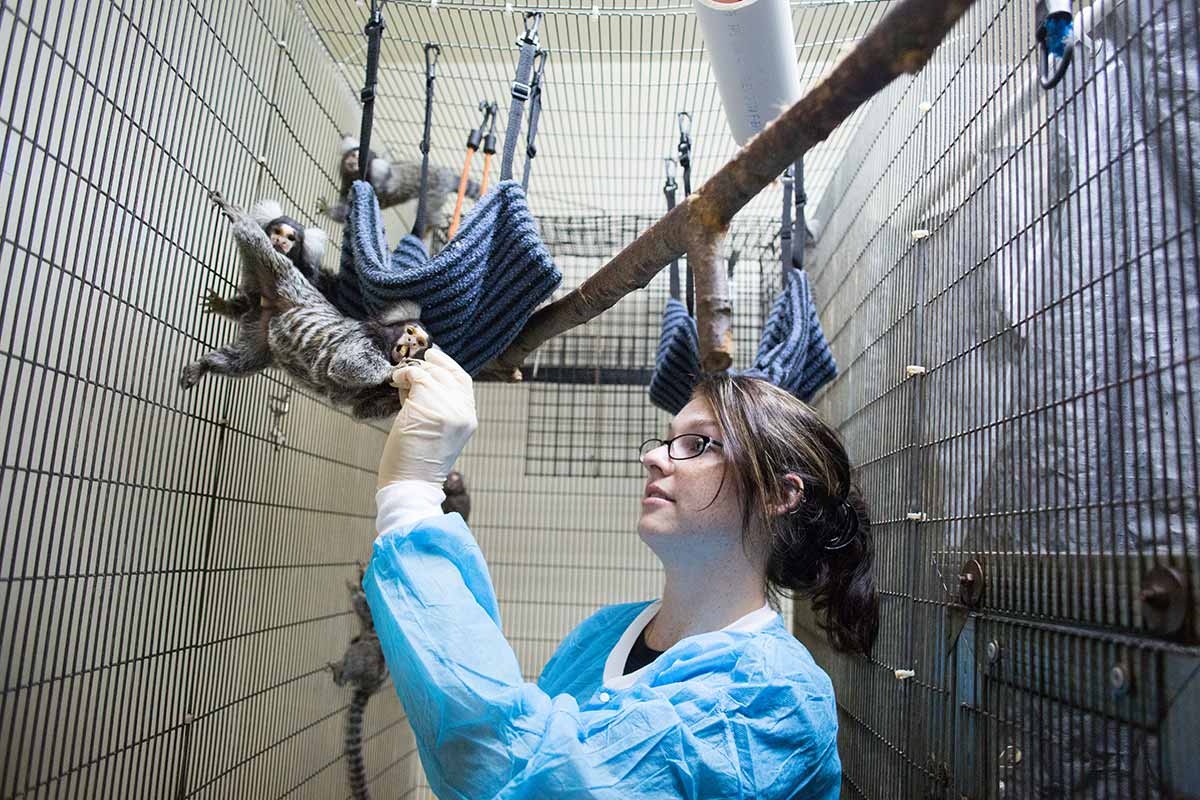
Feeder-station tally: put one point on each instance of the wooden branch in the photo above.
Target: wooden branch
(712, 301)
(902, 42)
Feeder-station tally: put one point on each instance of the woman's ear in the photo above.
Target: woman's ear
(793, 495)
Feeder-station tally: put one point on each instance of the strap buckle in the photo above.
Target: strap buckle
(520, 91)
(375, 23)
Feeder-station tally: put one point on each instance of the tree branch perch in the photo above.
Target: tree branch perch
(902, 42)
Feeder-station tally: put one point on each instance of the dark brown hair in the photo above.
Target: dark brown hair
(821, 547)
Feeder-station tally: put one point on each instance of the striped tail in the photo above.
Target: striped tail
(356, 770)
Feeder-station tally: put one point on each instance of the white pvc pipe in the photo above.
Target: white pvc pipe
(751, 48)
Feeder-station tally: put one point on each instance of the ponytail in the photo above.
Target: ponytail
(822, 549)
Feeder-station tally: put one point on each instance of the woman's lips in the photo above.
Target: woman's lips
(655, 493)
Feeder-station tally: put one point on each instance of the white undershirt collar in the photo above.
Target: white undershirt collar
(753, 622)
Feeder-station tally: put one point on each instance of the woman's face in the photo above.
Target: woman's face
(688, 497)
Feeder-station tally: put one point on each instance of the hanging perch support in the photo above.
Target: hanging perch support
(684, 120)
(374, 32)
(902, 42)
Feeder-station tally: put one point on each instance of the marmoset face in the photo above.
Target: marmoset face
(412, 342)
(283, 237)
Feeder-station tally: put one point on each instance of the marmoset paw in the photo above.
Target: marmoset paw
(213, 303)
(190, 376)
(220, 203)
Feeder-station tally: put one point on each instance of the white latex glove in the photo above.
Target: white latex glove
(433, 425)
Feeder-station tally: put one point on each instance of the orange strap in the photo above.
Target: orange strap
(462, 191)
(487, 164)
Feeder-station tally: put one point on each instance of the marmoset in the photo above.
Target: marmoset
(362, 667)
(294, 326)
(397, 182)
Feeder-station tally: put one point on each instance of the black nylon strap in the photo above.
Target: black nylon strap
(685, 150)
(685, 162)
(690, 289)
(535, 113)
(374, 32)
(785, 223)
(432, 51)
(489, 138)
(800, 226)
(521, 91)
(669, 190)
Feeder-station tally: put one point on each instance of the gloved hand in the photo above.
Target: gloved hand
(433, 425)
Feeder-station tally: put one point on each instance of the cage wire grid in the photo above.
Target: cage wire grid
(159, 636)
(1049, 436)
(174, 565)
(588, 409)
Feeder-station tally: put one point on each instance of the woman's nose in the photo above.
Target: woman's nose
(657, 459)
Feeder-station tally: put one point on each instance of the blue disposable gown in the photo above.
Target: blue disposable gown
(729, 714)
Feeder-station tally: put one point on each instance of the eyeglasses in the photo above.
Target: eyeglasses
(682, 447)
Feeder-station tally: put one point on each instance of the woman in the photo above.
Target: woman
(703, 694)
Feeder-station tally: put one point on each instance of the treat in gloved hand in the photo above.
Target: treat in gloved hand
(434, 423)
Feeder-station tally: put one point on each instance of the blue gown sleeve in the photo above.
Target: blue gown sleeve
(483, 731)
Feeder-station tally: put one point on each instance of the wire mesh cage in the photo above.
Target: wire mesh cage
(170, 561)
(1013, 274)
(1007, 276)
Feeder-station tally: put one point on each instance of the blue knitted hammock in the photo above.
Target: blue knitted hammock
(677, 364)
(792, 351)
(475, 295)
(478, 292)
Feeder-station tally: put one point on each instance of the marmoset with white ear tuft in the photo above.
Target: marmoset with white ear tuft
(288, 322)
(304, 247)
(397, 182)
